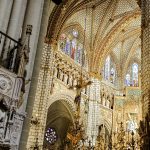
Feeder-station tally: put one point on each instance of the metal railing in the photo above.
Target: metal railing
(11, 50)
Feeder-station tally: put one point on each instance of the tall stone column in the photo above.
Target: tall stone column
(33, 16)
(93, 114)
(37, 44)
(33, 10)
(5, 13)
(145, 71)
(40, 107)
(16, 21)
(145, 67)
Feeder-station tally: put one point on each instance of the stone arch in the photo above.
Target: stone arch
(75, 25)
(114, 59)
(105, 131)
(60, 116)
(117, 40)
(131, 56)
(109, 38)
(134, 60)
(108, 125)
(81, 30)
(66, 99)
(60, 15)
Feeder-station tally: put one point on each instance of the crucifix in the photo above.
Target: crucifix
(79, 87)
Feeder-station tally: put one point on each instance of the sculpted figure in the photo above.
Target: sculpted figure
(2, 121)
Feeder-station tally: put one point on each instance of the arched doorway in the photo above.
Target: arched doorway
(59, 118)
(104, 137)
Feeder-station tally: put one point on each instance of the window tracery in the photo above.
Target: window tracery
(112, 75)
(135, 74)
(51, 135)
(72, 45)
(109, 71)
(131, 78)
(127, 80)
(107, 68)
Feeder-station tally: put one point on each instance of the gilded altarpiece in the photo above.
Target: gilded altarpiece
(127, 115)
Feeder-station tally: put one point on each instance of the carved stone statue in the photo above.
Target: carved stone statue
(3, 109)
(131, 124)
(2, 120)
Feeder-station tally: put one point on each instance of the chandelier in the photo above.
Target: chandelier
(77, 132)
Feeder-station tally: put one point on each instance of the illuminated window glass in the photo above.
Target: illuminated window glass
(135, 74)
(51, 135)
(107, 68)
(109, 71)
(131, 78)
(112, 75)
(72, 45)
(127, 80)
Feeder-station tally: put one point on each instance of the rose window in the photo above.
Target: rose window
(51, 135)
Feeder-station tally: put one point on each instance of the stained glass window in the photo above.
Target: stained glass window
(51, 135)
(135, 74)
(127, 80)
(131, 78)
(72, 45)
(108, 70)
(112, 75)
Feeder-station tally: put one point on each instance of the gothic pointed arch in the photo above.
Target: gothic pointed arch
(109, 70)
(72, 42)
(109, 39)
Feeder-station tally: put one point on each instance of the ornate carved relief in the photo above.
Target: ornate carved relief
(67, 71)
(3, 117)
(10, 89)
(5, 84)
(16, 128)
(107, 96)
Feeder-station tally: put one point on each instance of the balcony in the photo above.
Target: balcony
(14, 55)
(67, 71)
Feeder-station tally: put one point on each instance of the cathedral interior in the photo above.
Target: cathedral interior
(75, 75)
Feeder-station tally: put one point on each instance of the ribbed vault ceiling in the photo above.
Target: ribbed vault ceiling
(111, 27)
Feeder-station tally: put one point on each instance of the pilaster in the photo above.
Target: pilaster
(93, 113)
(145, 66)
(41, 99)
(145, 74)
(33, 10)
(5, 13)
